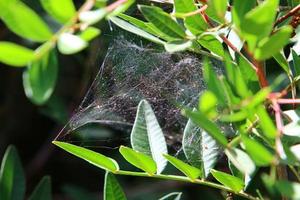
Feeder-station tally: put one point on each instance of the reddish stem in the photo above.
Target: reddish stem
(289, 14)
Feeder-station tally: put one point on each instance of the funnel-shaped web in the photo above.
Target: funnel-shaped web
(131, 73)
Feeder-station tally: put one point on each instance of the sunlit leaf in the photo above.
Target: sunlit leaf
(61, 10)
(240, 160)
(172, 196)
(211, 43)
(12, 180)
(42, 190)
(259, 154)
(140, 160)
(288, 189)
(266, 123)
(219, 7)
(239, 10)
(200, 149)
(147, 136)
(235, 183)
(92, 16)
(112, 189)
(194, 23)
(133, 29)
(258, 22)
(89, 33)
(282, 61)
(175, 46)
(188, 170)
(272, 45)
(69, 44)
(15, 55)
(23, 21)
(210, 127)
(40, 77)
(90, 156)
(162, 21)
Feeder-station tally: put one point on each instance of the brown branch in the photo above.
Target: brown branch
(289, 14)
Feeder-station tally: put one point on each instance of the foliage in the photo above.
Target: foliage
(12, 179)
(244, 97)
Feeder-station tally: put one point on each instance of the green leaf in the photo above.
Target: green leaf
(134, 29)
(272, 45)
(69, 44)
(23, 21)
(296, 63)
(258, 23)
(121, 8)
(200, 149)
(288, 189)
(208, 104)
(42, 190)
(90, 156)
(211, 43)
(92, 16)
(140, 160)
(194, 23)
(282, 61)
(147, 136)
(40, 77)
(235, 183)
(240, 160)
(219, 7)
(90, 33)
(210, 127)
(61, 10)
(12, 180)
(266, 123)
(15, 55)
(112, 189)
(213, 82)
(162, 21)
(259, 154)
(292, 129)
(239, 10)
(176, 46)
(190, 171)
(172, 196)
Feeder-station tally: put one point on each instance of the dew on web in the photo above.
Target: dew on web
(130, 73)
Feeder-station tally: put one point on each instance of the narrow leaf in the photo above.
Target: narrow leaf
(133, 29)
(147, 136)
(258, 22)
(235, 183)
(211, 43)
(240, 160)
(176, 46)
(172, 196)
(188, 170)
(266, 124)
(90, 33)
(288, 189)
(15, 55)
(12, 180)
(210, 127)
(272, 45)
(194, 23)
(23, 21)
(40, 77)
(162, 21)
(219, 7)
(140, 160)
(92, 157)
(200, 149)
(112, 189)
(70, 44)
(42, 190)
(61, 10)
(259, 154)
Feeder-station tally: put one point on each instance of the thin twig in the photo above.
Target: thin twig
(289, 14)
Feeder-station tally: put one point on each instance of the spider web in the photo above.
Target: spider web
(130, 73)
